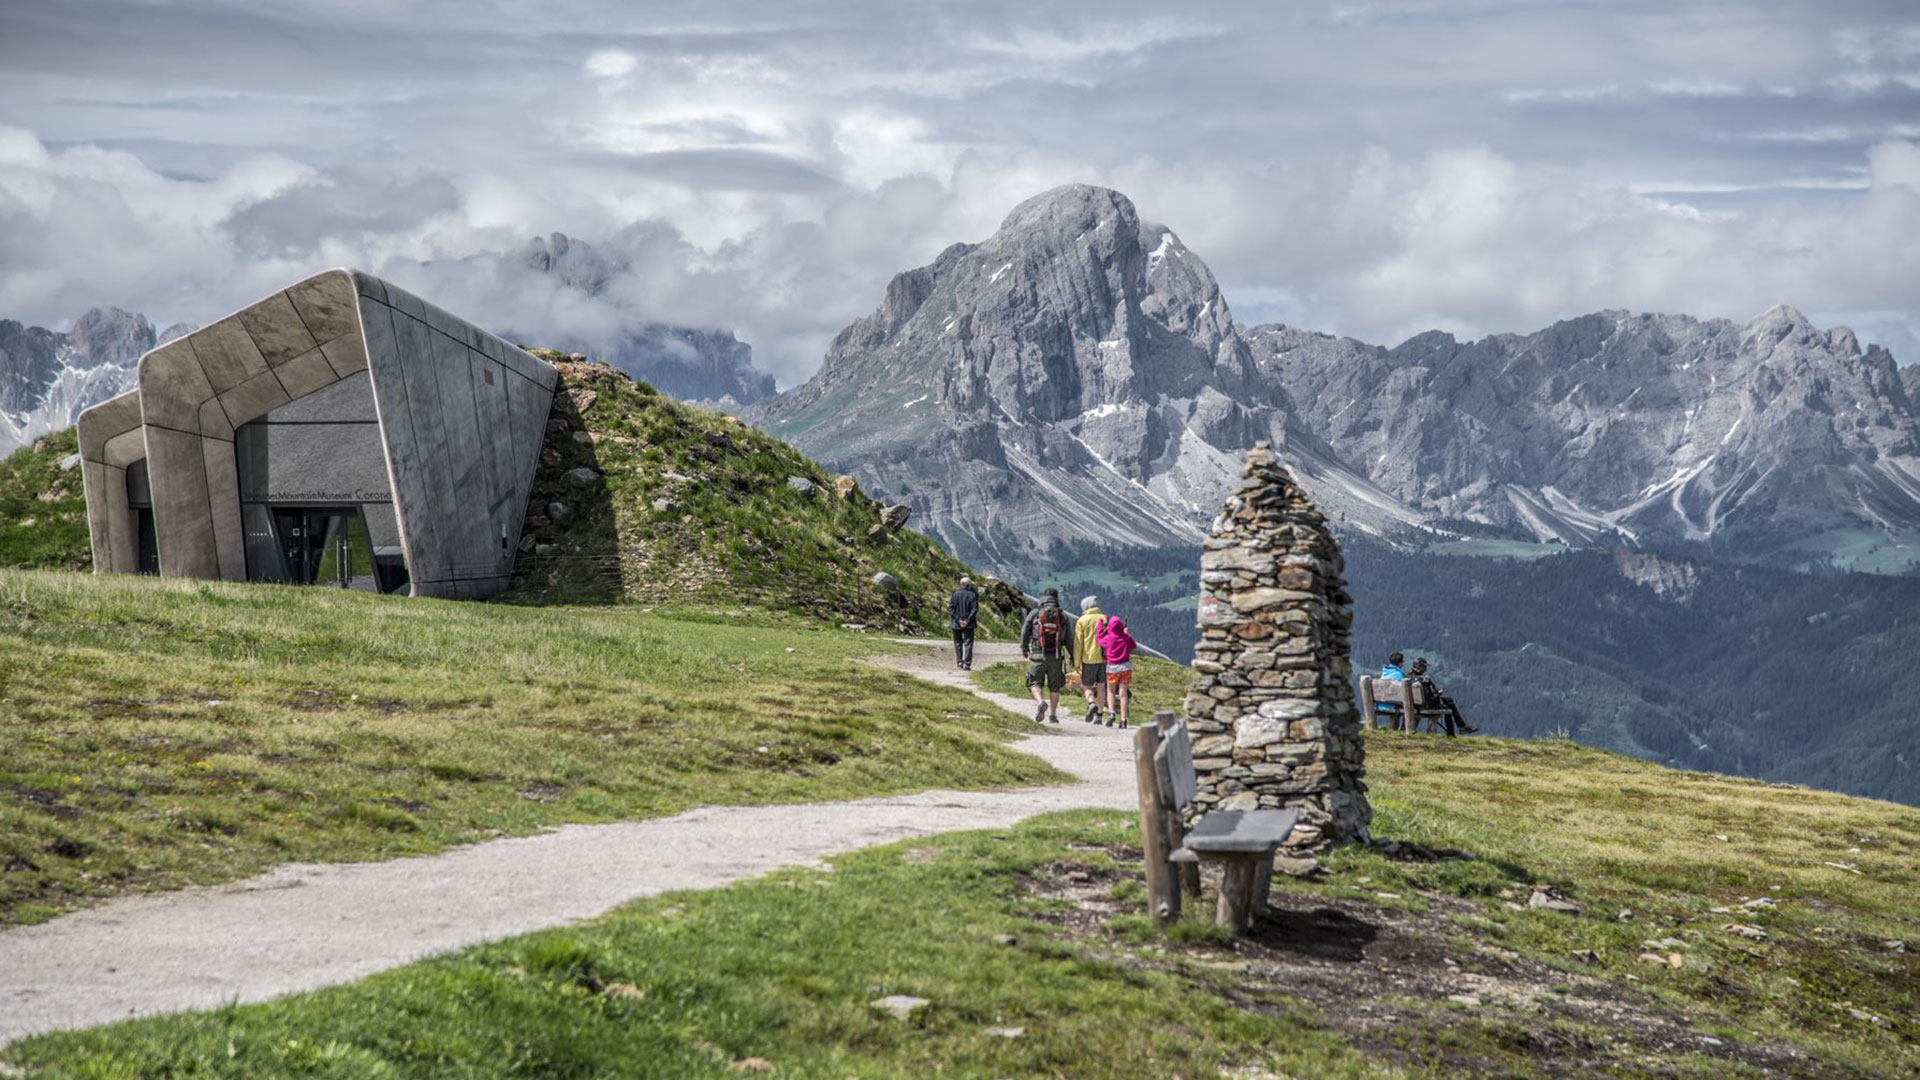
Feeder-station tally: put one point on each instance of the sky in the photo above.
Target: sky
(1373, 169)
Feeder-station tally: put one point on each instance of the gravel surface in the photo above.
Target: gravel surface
(303, 926)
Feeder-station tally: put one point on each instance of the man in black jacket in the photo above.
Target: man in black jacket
(963, 617)
(1433, 698)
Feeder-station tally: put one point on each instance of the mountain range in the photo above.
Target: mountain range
(1078, 377)
(47, 377)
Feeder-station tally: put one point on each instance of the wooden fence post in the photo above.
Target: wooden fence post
(1189, 873)
(1163, 893)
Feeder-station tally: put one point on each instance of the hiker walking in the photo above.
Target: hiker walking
(1046, 641)
(963, 617)
(1430, 691)
(1093, 659)
(1118, 645)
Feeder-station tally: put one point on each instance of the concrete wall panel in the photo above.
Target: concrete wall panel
(327, 305)
(277, 329)
(223, 504)
(254, 398)
(347, 353)
(111, 437)
(182, 514)
(227, 353)
(306, 373)
(173, 386)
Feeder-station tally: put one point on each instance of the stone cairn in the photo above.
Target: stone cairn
(1271, 707)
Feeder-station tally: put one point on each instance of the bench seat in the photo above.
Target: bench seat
(1237, 832)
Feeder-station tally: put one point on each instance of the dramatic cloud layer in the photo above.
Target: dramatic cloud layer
(1367, 168)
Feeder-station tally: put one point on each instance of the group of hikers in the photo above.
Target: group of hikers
(1052, 642)
(1395, 668)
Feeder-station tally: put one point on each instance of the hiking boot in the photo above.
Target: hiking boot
(1093, 713)
(1055, 718)
(1040, 713)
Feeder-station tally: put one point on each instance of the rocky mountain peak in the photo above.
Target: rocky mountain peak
(109, 336)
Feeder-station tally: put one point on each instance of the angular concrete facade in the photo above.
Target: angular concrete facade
(339, 394)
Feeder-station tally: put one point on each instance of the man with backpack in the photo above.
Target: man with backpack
(1046, 641)
(1093, 659)
(963, 617)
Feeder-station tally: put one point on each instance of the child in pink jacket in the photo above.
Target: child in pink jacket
(1119, 646)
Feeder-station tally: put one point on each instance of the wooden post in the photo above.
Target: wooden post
(1409, 722)
(1262, 883)
(1163, 894)
(1236, 893)
(1189, 873)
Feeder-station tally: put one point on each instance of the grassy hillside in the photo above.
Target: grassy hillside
(43, 508)
(693, 506)
(1725, 928)
(155, 732)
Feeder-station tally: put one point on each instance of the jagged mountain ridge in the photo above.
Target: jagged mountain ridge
(1622, 427)
(692, 364)
(48, 377)
(1078, 376)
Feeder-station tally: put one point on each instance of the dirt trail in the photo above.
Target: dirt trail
(303, 926)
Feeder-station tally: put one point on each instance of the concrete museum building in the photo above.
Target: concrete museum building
(339, 432)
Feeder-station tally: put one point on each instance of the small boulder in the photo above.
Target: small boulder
(559, 511)
(902, 1007)
(802, 486)
(70, 462)
(583, 437)
(887, 583)
(576, 357)
(678, 478)
(665, 505)
(720, 439)
(582, 398)
(846, 487)
(876, 534)
(895, 517)
(1548, 900)
(581, 476)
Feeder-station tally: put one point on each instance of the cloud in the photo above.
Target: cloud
(1375, 169)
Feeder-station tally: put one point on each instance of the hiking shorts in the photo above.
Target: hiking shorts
(1092, 675)
(1120, 674)
(1048, 670)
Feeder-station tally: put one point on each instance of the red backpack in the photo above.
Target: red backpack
(1053, 629)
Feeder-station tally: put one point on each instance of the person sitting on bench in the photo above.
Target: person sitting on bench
(1390, 670)
(1434, 699)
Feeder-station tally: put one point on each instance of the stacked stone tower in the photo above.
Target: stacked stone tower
(1271, 707)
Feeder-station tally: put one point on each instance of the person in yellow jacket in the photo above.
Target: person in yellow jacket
(1093, 660)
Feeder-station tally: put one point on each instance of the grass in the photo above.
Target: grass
(1040, 928)
(774, 976)
(156, 733)
(1653, 853)
(1157, 684)
(697, 508)
(43, 508)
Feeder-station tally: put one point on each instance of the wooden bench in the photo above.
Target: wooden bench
(1243, 840)
(1406, 704)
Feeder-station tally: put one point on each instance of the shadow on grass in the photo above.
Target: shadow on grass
(1323, 934)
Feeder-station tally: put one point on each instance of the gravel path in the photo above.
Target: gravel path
(303, 926)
